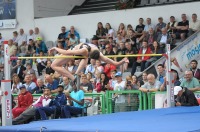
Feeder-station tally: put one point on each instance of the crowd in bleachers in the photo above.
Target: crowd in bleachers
(36, 76)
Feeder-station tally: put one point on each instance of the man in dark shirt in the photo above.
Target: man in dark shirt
(139, 28)
(130, 50)
(109, 50)
(49, 70)
(182, 28)
(184, 97)
(62, 36)
(195, 69)
(85, 85)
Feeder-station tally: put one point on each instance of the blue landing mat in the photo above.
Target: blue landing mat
(179, 119)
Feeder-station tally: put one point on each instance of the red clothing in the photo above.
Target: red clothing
(108, 68)
(24, 101)
(148, 51)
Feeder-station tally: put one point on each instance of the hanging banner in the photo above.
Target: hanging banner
(8, 14)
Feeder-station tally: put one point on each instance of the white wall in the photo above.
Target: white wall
(86, 24)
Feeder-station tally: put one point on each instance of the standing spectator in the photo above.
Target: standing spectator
(25, 99)
(19, 70)
(85, 85)
(101, 31)
(184, 97)
(160, 25)
(182, 28)
(37, 34)
(52, 83)
(1, 40)
(41, 63)
(66, 84)
(30, 35)
(121, 30)
(194, 25)
(171, 27)
(29, 84)
(39, 88)
(161, 73)
(40, 45)
(110, 32)
(48, 69)
(62, 36)
(73, 31)
(190, 82)
(148, 25)
(16, 84)
(139, 28)
(195, 69)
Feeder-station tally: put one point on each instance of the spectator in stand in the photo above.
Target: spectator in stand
(48, 69)
(121, 30)
(190, 82)
(41, 63)
(112, 81)
(73, 31)
(120, 105)
(19, 70)
(194, 25)
(134, 83)
(110, 32)
(30, 35)
(52, 83)
(85, 85)
(129, 26)
(148, 25)
(141, 60)
(171, 27)
(97, 77)
(39, 88)
(98, 66)
(121, 51)
(152, 85)
(14, 54)
(91, 67)
(130, 50)
(1, 60)
(195, 69)
(108, 68)
(60, 45)
(184, 97)
(40, 45)
(16, 84)
(150, 37)
(111, 42)
(155, 50)
(144, 79)
(29, 69)
(62, 36)
(25, 99)
(71, 67)
(33, 78)
(22, 38)
(182, 28)
(131, 37)
(119, 39)
(29, 84)
(109, 50)
(104, 80)
(164, 38)
(1, 39)
(15, 38)
(161, 73)
(11, 47)
(29, 113)
(160, 26)
(139, 29)
(30, 49)
(101, 31)
(66, 84)
(37, 34)
(73, 40)
(89, 77)
(95, 40)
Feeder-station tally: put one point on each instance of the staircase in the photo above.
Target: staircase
(92, 6)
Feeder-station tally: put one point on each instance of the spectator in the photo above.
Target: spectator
(19, 70)
(129, 27)
(148, 25)
(76, 103)
(85, 85)
(184, 97)
(95, 40)
(190, 82)
(16, 84)
(194, 25)
(25, 99)
(30, 49)
(89, 76)
(73, 40)
(29, 113)
(109, 50)
(91, 67)
(101, 31)
(14, 54)
(121, 30)
(52, 83)
(62, 36)
(37, 34)
(98, 66)
(11, 47)
(1, 39)
(1, 60)
(40, 45)
(112, 81)
(33, 78)
(109, 31)
(194, 69)
(29, 84)
(171, 27)
(55, 105)
(120, 105)
(152, 85)
(134, 83)
(160, 25)
(139, 28)
(15, 38)
(161, 73)
(144, 79)
(150, 37)
(22, 38)
(73, 31)
(108, 68)
(39, 88)
(41, 63)
(71, 67)
(66, 84)
(48, 69)
(182, 28)
(141, 60)
(164, 38)
(111, 42)
(104, 82)
(119, 39)
(60, 45)
(130, 50)
(131, 37)
(30, 35)
(29, 69)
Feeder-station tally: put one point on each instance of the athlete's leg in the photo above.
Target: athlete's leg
(82, 64)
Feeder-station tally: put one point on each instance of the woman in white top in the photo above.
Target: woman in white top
(16, 84)
(109, 31)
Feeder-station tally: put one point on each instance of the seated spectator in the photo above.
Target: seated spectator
(48, 69)
(30, 35)
(1, 39)
(144, 79)
(109, 50)
(121, 30)
(131, 38)
(195, 69)
(76, 103)
(11, 47)
(62, 36)
(22, 38)
(164, 38)
(29, 113)
(1, 60)
(150, 37)
(40, 46)
(59, 45)
(152, 85)
(52, 83)
(184, 97)
(39, 88)
(129, 27)
(29, 69)
(19, 70)
(120, 104)
(37, 34)
(16, 84)
(91, 67)
(104, 82)
(110, 32)
(160, 25)
(139, 28)
(111, 42)
(73, 31)
(29, 84)
(73, 41)
(130, 50)
(190, 82)
(66, 84)
(71, 67)
(128, 80)
(85, 85)
(54, 106)
(15, 38)
(89, 77)
(41, 63)
(33, 78)
(119, 40)
(95, 40)
(25, 99)
(141, 60)
(148, 25)
(182, 28)
(98, 66)
(171, 27)
(30, 49)
(101, 31)
(194, 25)
(112, 81)
(108, 68)
(161, 73)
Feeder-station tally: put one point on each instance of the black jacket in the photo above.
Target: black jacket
(187, 98)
